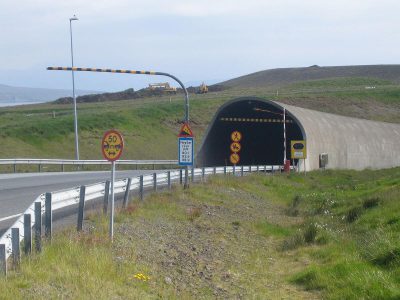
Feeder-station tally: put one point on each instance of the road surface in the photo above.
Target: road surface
(18, 191)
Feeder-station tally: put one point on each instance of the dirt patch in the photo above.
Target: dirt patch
(210, 247)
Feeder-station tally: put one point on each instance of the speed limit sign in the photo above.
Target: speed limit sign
(112, 145)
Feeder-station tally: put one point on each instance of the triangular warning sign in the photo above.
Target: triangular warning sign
(185, 131)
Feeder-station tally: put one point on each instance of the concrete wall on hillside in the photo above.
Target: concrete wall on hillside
(350, 143)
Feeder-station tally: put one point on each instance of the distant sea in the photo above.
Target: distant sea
(4, 104)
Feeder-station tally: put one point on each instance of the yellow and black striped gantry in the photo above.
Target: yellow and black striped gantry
(103, 70)
(254, 120)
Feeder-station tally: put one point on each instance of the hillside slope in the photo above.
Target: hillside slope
(327, 235)
(284, 76)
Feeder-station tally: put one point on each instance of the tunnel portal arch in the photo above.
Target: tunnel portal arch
(261, 139)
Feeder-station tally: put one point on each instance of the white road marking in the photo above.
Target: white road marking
(9, 217)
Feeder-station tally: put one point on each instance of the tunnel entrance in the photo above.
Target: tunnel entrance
(248, 131)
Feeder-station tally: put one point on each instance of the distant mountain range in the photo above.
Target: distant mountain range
(12, 94)
(284, 76)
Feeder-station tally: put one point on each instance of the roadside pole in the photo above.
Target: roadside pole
(112, 145)
(112, 201)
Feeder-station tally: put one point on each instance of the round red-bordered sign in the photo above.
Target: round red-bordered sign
(112, 145)
(234, 158)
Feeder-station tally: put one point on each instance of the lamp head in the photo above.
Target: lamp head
(74, 18)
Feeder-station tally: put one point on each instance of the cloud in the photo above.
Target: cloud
(217, 38)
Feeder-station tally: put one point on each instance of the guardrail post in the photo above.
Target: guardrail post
(224, 170)
(16, 256)
(141, 190)
(215, 170)
(169, 179)
(180, 176)
(81, 207)
(155, 182)
(106, 196)
(62, 167)
(3, 260)
(234, 170)
(48, 222)
(40, 168)
(15, 168)
(38, 226)
(258, 169)
(203, 173)
(154, 166)
(241, 170)
(192, 172)
(250, 169)
(127, 190)
(27, 234)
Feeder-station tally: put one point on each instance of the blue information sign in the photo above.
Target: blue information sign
(185, 151)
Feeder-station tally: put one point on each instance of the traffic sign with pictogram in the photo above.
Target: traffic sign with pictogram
(236, 136)
(298, 149)
(185, 131)
(235, 147)
(112, 145)
(234, 158)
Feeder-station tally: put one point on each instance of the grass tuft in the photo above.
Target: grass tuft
(310, 233)
(353, 214)
(293, 242)
(371, 202)
(293, 209)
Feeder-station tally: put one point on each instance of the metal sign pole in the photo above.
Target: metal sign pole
(112, 200)
(284, 137)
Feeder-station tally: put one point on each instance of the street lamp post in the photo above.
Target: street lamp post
(74, 18)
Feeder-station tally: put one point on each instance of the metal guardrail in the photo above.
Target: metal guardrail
(62, 162)
(65, 198)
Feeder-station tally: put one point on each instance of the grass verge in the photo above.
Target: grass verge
(257, 237)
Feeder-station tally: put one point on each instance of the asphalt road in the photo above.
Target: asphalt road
(18, 191)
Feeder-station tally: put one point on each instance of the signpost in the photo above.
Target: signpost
(112, 145)
(185, 149)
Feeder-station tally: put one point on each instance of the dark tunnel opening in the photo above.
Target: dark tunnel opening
(248, 131)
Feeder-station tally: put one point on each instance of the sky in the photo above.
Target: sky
(200, 40)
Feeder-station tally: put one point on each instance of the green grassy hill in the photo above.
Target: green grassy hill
(284, 76)
(150, 125)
